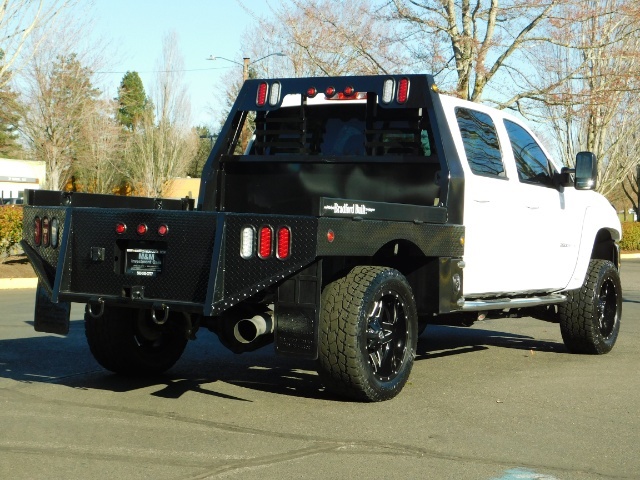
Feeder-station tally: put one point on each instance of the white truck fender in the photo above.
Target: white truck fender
(600, 216)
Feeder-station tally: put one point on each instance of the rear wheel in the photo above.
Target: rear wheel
(590, 319)
(127, 341)
(368, 334)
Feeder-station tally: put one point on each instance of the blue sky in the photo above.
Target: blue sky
(204, 28)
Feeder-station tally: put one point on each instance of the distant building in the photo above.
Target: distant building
(17, 175)
(182, 187)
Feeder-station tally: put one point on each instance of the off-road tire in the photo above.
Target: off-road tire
(126, 341)
(368, 334)
(590, 319)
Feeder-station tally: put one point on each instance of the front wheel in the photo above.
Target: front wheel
(128, 342)
(368, 334)
(590, 319)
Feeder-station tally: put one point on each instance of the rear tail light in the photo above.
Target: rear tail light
(311, 92)
(261, 98)
(37, 231)
(274, 96)
(247, 241)
(284, 243)
(403, 90)
(387, 90)
(265, 242)
(163, 230)
(141, 229)
(54, 232)
(120, 228)
(45, 232)
(330, 92)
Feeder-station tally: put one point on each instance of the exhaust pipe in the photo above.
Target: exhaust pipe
(248, 329)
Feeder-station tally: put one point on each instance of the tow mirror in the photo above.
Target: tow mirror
(586, 171)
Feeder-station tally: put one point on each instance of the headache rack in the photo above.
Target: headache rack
(342, 129)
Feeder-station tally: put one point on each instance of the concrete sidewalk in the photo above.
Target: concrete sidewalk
(19, 283)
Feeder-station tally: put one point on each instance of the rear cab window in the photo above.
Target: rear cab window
(481, 143)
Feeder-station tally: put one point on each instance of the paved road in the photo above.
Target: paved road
(501, 400)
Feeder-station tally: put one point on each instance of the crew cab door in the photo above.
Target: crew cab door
(521, 231)
(552, 215)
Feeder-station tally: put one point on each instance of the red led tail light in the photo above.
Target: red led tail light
(261, 98)
(265, 242)
(403, 90)
(37, 231)
(284, 243)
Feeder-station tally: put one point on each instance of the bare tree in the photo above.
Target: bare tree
(60, 101)
(170, 94)
(599, 109)
(163, 145)
(19, 19)
(631, 190)
(476, 44)
(98, 162)
(156, 154)
(318, 39)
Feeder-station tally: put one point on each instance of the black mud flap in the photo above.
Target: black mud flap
(50, 317)
(296, 312)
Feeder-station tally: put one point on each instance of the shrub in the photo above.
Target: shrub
(630, 236)
(10, 228)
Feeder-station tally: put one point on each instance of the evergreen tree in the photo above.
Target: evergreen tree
(132, 100)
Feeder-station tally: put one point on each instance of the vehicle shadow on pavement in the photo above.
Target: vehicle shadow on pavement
(205, 364)
(442, 341)
(207, 368)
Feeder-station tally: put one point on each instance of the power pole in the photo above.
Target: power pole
(245, 69)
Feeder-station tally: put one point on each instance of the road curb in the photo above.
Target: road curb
(16, 283)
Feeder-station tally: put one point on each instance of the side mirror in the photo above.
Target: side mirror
(586, 171)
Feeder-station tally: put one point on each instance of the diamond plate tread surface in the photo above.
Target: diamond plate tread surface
(245, 277)
(49, 254)
(188, 245)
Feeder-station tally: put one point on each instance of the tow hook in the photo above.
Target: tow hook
(165, 317)
(90, 309)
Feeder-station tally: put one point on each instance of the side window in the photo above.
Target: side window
(533, 165)
(481, 143)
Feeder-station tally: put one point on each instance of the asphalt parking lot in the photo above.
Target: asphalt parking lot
(500, 400)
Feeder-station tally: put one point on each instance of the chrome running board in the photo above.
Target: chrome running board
(509, 303)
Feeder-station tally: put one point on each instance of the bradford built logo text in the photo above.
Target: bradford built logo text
(349, 208)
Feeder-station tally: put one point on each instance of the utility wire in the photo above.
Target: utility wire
(174, 71)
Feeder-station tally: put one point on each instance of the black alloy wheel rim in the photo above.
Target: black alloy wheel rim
(387, 334)
(607, 309)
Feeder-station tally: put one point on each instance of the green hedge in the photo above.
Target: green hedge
(10, 228)
(630, 236)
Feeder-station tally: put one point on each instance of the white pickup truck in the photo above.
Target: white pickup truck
(363, 209)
